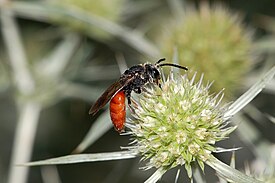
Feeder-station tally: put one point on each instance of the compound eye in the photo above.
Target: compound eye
(156, 74)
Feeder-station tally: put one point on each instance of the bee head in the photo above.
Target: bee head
(153, 73)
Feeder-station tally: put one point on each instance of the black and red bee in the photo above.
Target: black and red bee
(133, 79)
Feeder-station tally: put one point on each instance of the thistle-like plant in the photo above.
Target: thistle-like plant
(176, 126)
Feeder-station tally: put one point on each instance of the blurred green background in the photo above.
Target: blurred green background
(57, 57)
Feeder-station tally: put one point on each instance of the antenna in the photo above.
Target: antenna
(172, 65)
(160, 60)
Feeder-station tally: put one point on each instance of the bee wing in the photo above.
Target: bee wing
(105, 97)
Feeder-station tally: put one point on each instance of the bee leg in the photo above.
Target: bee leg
(159, 86)
(131, 109)
(128, 96)
(130, 105)
(138, 90)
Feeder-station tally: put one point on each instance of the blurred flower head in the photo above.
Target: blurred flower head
(210, 40)
(178, 124)
(104, 8)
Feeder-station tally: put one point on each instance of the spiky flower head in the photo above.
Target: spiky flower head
(211, 41)
(104, 8)
(178, 124)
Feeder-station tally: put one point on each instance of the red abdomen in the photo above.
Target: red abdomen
(117, 111)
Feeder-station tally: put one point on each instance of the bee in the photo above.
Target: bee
(133, 79)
